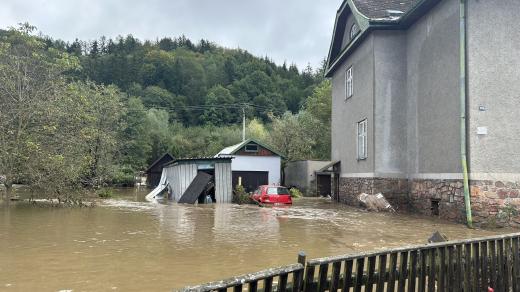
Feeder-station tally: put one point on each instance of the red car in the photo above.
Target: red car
(272, 195)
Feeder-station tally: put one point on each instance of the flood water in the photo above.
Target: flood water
(125, 244)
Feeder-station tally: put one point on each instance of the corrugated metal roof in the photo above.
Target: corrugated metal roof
(230, 149)
(198, 159)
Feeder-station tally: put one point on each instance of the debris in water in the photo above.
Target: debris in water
(375, 202)
(437, 237)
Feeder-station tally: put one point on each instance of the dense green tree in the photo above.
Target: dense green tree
(31, 89)
(100, 110)
(159, 134)
(215, 113)
(137, 148)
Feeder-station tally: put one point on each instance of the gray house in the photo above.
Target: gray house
(403, 74)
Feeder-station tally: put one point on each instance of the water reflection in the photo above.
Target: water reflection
(130, 245)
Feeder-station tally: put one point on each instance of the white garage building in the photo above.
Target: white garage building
(254, 164)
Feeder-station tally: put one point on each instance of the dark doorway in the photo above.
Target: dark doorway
(435, 207)
(251, 179)
(324, 185)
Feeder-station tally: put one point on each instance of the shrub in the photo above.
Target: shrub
(507, 213)
(295, 193)
(240, 196)
(123, 177)
(105, 193)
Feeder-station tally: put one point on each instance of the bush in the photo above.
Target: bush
(123, 177)
(240, 196)
(295, 193)
(105, 193)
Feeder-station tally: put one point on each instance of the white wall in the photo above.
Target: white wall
(272, 164)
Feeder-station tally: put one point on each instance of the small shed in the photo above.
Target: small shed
(191, 180)
(153, 173)
(303, 174)
(254, 164)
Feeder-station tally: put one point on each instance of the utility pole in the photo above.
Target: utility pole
(243, 124)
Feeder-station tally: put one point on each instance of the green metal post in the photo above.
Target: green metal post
(463, 131)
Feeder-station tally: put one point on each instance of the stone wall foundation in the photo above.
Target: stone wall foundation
(494, 203)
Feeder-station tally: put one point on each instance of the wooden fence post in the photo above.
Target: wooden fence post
(298, 281)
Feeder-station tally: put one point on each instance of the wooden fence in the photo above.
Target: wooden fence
(467, 265)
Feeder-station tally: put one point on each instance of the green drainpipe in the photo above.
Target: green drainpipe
(463, 131)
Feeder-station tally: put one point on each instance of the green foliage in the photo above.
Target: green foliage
(36, 127)
(90, 114)
(240, 196)
(185, 77)
(305, 135)
(98, 111)
(213, 114)
(55, 135)
(295, 193)
(105, 193)
(124, 176)
(507, 213)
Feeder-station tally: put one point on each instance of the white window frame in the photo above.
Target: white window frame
(349, 83)
(362, 139)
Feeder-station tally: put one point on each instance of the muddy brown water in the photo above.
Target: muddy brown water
(126, 244)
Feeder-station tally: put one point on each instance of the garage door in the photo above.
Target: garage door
(251, 179)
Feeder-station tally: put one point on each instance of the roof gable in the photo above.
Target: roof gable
(234, 149)
(165, 158)
(372, 15)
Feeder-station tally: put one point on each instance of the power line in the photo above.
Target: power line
(215, 106)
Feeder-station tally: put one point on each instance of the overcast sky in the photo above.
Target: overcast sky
(297, 31)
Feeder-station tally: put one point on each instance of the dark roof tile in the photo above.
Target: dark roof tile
(375, 9)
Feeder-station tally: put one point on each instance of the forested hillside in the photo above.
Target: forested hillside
(88, 114)
(197, 83)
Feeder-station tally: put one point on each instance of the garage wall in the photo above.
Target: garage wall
(272, 164)
(223, 188)
(179, 177)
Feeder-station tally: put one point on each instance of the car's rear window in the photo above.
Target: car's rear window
(277, 191)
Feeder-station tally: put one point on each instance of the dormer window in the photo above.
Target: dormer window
(354, 30)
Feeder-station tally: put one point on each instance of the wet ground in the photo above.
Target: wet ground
(126, 244)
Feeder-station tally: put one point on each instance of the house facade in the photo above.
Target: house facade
(254, 164)
(397, 68)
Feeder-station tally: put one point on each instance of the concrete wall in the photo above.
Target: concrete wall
(494, 82)
(301, 174)
(390, 96)
(433, 92)
(272, 164)
(346, 113)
